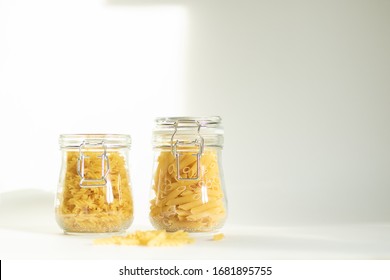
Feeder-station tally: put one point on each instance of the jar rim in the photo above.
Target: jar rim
(203, 121)
(110, 140)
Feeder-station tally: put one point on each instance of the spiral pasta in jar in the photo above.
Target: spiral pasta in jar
(94, 192)
(187, 189)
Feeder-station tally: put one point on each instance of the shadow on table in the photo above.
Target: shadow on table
(28, 210)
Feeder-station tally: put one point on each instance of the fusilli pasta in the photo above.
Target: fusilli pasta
(95, 209)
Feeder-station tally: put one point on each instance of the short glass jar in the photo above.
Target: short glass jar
(188, 191)
(94, 190)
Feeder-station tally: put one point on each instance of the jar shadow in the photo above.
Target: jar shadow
(29, 210)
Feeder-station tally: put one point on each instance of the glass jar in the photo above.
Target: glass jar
(188, 187)
(94, 193)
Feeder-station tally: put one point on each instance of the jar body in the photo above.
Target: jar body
(94, 191)
(188, 190)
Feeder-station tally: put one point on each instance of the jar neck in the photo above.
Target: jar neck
(185, 140)
(94, 141)
(186, 131)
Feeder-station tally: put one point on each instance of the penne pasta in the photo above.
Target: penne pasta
(187, 160)
(187, 192)
(180, 204)
(183, 199)
(173, 194)
(206, 206)
(183, 212)
(190, 205)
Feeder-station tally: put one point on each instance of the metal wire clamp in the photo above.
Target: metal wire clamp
(91, 183)
(178, 145)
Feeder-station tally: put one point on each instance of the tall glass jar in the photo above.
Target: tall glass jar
(188, 187)
(94, 193)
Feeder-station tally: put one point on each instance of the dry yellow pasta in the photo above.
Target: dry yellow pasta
(219, 236)
(206, 206)
(95, 209)
(198, 203)
(148, 238)
(190, 205)
(183, 199)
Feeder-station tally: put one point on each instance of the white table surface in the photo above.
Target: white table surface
(330, 242)
(30, 232)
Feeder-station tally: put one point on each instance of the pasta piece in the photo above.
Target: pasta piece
(183, 199)
(210, 212)
(218, 236)
(206, 206)
(182, 218)
(187, 160)
(187, 192)
(191, 204)
(175, 193)
(183, 212)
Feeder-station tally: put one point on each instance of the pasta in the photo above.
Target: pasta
(196, 202)
(219, 236)
(148, 238)
(95, 209)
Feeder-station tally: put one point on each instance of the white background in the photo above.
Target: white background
(302, 87)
